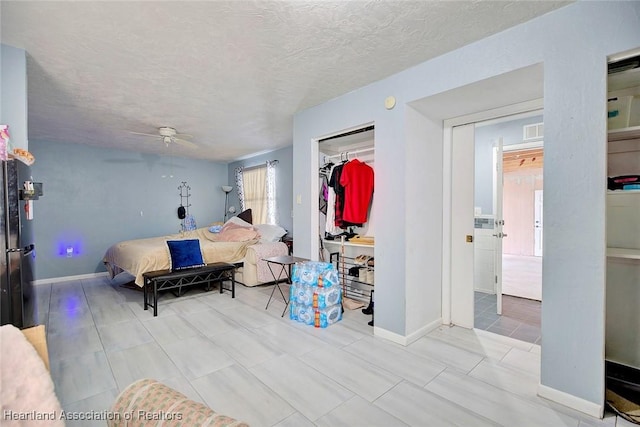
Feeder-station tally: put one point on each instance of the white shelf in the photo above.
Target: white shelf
(623, 253)
(624, 133)
(622, 192)
(337, 242)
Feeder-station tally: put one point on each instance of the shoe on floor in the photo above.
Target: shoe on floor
(369, 309)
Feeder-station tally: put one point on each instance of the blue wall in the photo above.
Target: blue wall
(410, 181)
(284, 183)
(94, 197)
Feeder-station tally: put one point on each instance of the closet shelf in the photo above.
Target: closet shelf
(623, 253)
(622, 192)
(624, 133)
(337, 243)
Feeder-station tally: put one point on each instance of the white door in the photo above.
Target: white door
(538, 223)
(498, 225)
(462, 224)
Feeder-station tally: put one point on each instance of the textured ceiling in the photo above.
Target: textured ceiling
(230, 73)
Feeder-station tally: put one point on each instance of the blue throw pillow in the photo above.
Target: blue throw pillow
(185, 254)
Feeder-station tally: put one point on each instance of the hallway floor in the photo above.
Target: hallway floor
(520, 317)
(522, 276)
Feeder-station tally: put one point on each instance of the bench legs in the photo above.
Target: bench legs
(233, 284)
(147, 297)
(153, 284)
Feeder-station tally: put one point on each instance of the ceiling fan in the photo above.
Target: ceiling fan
(169, 135)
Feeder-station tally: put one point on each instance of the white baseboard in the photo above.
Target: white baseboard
(408, 339)
(585, 406)
(69, 278)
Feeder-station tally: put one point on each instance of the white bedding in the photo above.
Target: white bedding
(139, 256)
(27, 395)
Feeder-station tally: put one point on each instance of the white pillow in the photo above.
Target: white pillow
(269, 232)
(237, 221)
(27, 387)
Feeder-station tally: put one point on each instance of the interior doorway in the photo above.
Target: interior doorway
(522, 207)
(515, 92)
(508, 226)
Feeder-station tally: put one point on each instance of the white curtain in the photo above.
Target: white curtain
(257, 191)
(272, 211)
(240, 187)
(254, 183)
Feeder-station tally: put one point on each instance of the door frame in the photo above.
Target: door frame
(533, 106)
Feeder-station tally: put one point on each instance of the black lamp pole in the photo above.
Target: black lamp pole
(227, 189)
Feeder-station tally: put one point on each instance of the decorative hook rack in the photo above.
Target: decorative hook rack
(184, 195)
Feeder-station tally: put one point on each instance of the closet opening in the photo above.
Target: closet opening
(622, 336)
(346, 216)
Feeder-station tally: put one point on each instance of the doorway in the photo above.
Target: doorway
(522, 211)
(507, 194)
(497, 96)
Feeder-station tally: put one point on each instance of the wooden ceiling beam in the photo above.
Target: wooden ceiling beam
(523, 159)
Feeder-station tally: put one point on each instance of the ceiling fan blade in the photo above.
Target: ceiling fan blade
(182, 136)
(145, 134)
(184, 143)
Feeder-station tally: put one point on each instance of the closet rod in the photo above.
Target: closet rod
(363, 150)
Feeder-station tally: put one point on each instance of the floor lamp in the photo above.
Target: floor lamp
(227, 189)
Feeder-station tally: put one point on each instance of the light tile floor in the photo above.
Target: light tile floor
(522, 276)
(520, 317)
(251, 364)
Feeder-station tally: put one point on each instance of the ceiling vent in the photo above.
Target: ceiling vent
(533, 132)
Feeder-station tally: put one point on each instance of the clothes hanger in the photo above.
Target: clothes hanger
(326, 166)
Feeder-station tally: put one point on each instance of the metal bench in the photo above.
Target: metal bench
(163, 280)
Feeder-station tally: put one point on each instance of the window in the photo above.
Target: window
(257, 191)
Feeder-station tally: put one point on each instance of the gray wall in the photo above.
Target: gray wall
(13, 97)
(511, 133)
(284, 183)
(94, 197)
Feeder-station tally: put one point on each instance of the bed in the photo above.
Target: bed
(143, 255)
(229, 244)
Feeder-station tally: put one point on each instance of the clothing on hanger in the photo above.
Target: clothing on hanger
(325, 173)
(357, 179)
(330, 224)
(334, 182)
